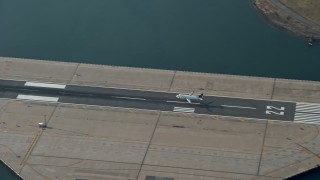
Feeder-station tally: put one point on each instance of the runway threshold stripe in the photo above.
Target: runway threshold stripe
(308, 107)
(37, 98)
(307, 120)
(303, 115)
(47, 85)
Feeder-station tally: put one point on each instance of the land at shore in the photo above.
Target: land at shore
(309, 9)
(299, 17)
(95, 142)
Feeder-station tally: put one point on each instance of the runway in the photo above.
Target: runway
(147, 100)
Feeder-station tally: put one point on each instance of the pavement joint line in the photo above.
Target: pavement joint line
(205, 148)
(74, 73)
(283, 167)
(43, 176)
(208, 176)
(262, 147)
(151, 138)
(173, 77)
(279, 149)
(273, 88)
(308, 150)
(208, 155)
(62, 157)
(32, 145)
(35, 140)
(4, 106)
(208, 170)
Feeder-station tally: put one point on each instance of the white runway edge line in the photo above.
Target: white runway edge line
(183, 109)
(37, 98)
(307, 113)
(47, 85)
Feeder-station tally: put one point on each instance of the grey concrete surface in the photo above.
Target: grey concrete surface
(161, 101)
(93, 142)
(161, 80)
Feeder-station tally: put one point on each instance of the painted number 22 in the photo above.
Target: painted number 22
(275, 110)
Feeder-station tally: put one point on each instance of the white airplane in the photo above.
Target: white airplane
(190, 96)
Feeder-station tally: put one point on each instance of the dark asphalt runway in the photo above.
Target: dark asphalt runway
(150, 100)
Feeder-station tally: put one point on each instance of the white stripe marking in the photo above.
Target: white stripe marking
(308, 108)
(239, 107)
(47, 85)
(184, 102)
(182, 109)
(307, 118)
(297, 115)
(129, 98)
(315, 118)
(279, 109)
(37, 98)
(272, 112)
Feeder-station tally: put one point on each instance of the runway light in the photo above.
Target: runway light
(42, 125)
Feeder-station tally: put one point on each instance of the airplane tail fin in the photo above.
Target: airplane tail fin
(201, 95)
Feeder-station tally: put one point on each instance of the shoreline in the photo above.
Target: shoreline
(284, 21)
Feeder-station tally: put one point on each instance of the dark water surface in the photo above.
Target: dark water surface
(217, 36)
(6, 173)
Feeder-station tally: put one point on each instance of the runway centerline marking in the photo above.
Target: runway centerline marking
(21, 89)
(242, 107)
(79, 94)
(181, 102)
(119, 97)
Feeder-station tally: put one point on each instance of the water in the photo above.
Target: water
(6, 173)
(217, 36)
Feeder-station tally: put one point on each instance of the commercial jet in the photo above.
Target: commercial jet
(190, 96)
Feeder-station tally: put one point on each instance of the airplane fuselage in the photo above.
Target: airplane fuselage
(192, 97)
(189, 97)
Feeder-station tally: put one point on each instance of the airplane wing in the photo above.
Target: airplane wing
(189, 101)
(190, 94)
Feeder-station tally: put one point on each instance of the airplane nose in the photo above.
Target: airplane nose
(178, 96)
